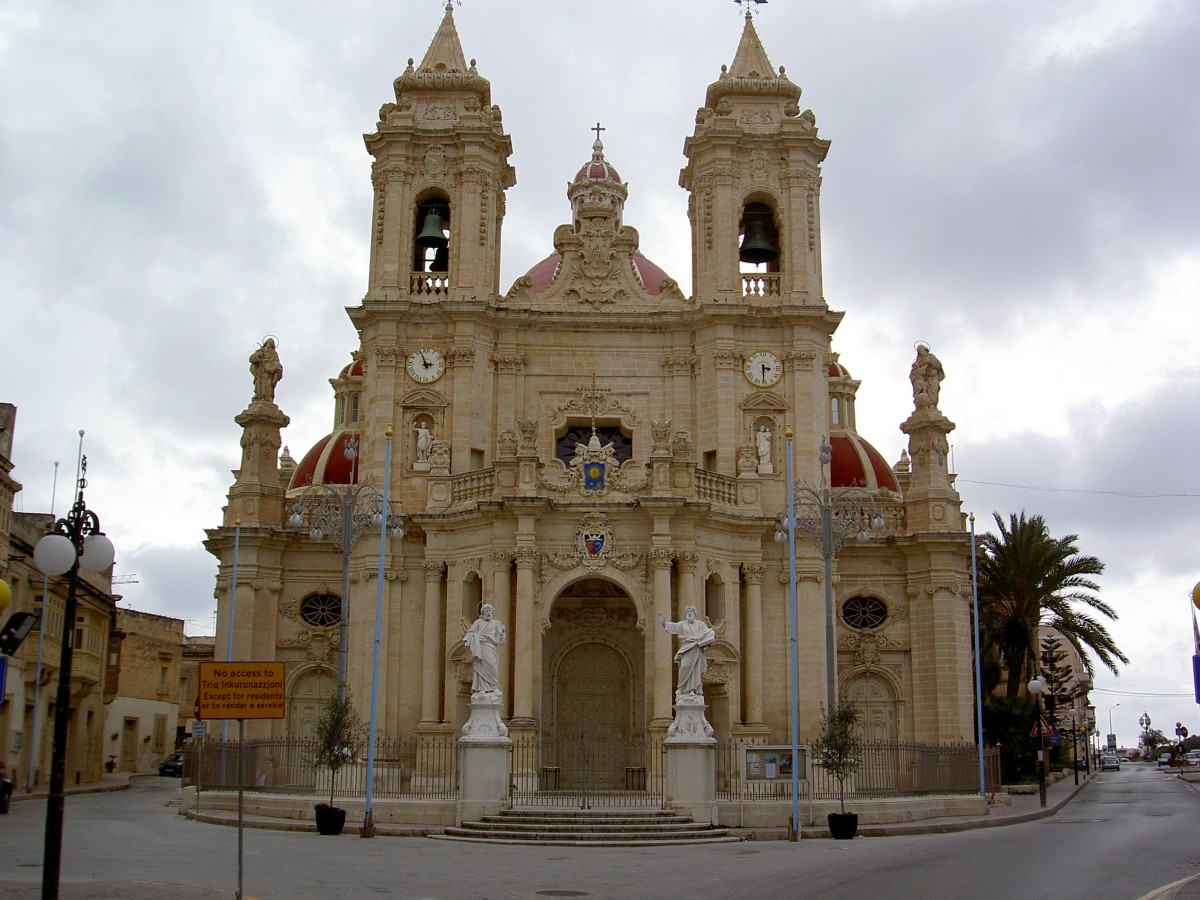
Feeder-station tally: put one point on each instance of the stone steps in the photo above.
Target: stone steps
(587, 828)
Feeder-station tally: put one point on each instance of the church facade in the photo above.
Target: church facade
(589, 448)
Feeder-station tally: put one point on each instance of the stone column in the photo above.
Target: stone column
(524, 641)
(688, 594)
(752, 644)
(452, 638)
(432, 663)
(660, 567)
(502, 602)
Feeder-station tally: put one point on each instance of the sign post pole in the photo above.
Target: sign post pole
(240, 690)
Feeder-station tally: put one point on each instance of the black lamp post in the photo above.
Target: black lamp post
(1036, 686)
(73, 541)
(1075, 742)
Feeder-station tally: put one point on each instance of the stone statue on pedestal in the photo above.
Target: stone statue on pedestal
(694, 639)
(483, 639)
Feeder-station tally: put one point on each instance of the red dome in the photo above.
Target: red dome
(542, 275)
(837, 370)
(856, 463)
(352, 370)
(597, 168)
(326, 463)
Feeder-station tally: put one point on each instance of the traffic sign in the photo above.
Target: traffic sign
(198, 731)
(1041, 729)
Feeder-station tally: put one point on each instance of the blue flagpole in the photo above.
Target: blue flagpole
(368, 829)
(791, 515)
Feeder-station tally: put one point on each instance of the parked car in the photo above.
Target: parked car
(1108, 761)
(1192, 757)
(172, 766)
(1164, 759)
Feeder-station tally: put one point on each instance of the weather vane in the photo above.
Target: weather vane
(749, 6)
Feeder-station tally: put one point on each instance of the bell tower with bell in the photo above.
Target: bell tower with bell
(441, 169)
(753, 174)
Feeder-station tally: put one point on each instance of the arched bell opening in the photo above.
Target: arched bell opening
(431, 225)
(758, 242)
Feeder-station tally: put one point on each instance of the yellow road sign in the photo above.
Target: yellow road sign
(241, 690)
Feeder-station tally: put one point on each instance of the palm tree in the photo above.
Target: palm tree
(1028, 578)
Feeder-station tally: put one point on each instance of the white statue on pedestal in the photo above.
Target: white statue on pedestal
(694, 639)
(762, 444)
(483, 639)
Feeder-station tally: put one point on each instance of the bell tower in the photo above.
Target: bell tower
(753, 176)
(440, 172)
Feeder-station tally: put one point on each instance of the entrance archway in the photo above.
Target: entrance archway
(308, 695)
(593, 684)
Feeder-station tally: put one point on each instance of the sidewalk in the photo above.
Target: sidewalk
(110, 781)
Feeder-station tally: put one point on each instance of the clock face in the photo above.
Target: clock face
(425, 365)
(762, 368)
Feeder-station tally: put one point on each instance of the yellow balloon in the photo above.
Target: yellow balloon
(5, 595)
(1196, 595)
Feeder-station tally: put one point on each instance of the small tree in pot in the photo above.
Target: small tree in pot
(337, 741)
(839, 751)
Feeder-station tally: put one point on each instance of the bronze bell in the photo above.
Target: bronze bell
(760, 244)
(431, 232)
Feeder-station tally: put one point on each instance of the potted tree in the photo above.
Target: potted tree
(337, 741)
(839, 751)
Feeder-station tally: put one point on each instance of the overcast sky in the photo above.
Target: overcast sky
(1014, 182)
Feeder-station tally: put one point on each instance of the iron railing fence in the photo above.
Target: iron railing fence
(407, 767)
(587, 768)
(759, 771)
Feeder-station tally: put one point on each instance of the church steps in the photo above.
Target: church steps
(587, 828)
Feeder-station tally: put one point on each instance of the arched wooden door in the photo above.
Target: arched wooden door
(877, 703)
(308, 696)
(882, 769)
(592, 717)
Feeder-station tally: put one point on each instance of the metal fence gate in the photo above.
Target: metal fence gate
(586, 768)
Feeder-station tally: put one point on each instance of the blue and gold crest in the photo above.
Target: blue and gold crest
(593, 476)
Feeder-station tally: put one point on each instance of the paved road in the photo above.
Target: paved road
(1126, 834)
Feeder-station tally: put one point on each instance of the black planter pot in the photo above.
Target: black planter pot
(330, 819)
(843, 826)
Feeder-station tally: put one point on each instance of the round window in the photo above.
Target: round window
(864, 612)
(321, 610)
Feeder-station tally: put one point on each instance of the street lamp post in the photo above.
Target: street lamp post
(344, 514)
(1074, 742)
(1036, 686)
(1112, 735)
(73, 542)
(831, 518)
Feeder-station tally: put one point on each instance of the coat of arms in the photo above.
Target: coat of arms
(594, 538)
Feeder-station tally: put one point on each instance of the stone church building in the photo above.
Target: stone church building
(589, 447)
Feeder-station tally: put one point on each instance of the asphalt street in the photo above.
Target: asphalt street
(1124, 835)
